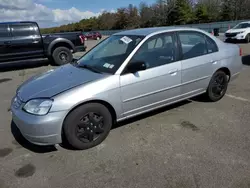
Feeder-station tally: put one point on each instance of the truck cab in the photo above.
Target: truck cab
(20, 41)
(23, 40)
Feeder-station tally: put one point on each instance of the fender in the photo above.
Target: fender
(58, 40)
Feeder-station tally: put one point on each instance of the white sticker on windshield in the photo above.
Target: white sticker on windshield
(126, 40)
(111, 66)
(106, 65)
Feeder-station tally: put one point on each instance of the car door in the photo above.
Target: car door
(197, 63)
(160, 83)
(5, 40)
(26, 41)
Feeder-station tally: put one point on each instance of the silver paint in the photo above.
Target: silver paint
(129, 94)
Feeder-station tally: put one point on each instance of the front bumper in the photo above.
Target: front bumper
(39, 130)
(237, 37)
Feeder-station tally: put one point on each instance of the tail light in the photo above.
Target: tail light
(81, 38)
(241, 53)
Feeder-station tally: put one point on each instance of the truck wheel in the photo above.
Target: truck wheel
(87, 126)
(62, 55)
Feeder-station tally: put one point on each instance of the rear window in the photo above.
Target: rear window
(19, 30)
(4, 31)
(211, 45)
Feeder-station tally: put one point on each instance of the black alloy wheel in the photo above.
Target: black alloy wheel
(90, 127)
(87, 126)
(218, 86)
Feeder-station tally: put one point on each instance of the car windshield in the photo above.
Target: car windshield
(242, 26)
(109, 55)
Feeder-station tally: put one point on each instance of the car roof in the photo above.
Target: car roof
(245, 22)
(153, 30)
(17, 22)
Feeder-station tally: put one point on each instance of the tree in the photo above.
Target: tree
(162, 13)
(227, 10)
(146, 15)
(201, 13)
(235, 9)
(106, 21)
(134, 17)
(182, 13)
(122, 19)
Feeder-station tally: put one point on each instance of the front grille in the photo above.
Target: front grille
(17, 102)
(231, 34)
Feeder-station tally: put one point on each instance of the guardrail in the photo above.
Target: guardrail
(222, 26)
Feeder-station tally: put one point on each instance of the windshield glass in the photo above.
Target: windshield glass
(242, 26)
(109, 55)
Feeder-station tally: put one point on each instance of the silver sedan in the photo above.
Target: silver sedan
(129, 73)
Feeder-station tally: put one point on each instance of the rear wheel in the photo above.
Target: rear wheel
(62, 55)
(87, 125)
(217, 87)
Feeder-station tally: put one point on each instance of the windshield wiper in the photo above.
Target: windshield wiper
(90, 68)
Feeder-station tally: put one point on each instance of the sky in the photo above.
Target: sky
(50, 13)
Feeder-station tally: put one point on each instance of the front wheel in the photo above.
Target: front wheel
(87, 125)
(62, 55)
(217, 87)
(247, 38)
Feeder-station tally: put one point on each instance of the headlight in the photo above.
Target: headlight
(38, 106)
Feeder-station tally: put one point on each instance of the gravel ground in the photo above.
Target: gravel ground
(188, 145)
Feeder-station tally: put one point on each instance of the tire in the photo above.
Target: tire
(80, 138)
(62, 56)
(247, 38)
(213, 96)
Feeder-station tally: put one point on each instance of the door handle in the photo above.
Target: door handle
(35, 41)
(213, 62)
(173, 72)
(7, 42)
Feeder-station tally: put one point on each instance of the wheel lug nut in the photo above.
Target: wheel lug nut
(91, 131)
(95, 127)
(87, 128)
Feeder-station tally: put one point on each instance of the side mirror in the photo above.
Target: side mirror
(136, 66)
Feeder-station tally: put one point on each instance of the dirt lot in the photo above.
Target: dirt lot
(188, 145)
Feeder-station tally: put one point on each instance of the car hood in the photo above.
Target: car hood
(235, 30)
(53, 82)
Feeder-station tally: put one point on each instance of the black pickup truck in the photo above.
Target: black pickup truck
(20, 41)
